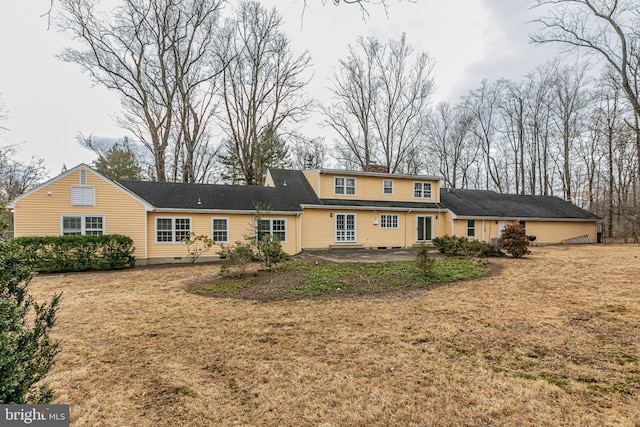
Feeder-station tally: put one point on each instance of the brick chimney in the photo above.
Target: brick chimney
(376, 168)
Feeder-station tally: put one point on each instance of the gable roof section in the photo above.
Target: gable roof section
(176, 196)
(12, 205)
(489, 204)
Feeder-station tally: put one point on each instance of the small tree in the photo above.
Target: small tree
(514, 241)
(26, 352)
(425, 262)
(197, 245)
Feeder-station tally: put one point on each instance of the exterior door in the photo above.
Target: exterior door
(424, 232)
(345, 227)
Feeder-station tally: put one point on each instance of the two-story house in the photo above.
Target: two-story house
(305, 210)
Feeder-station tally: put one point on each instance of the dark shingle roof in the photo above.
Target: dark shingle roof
(482, 203)
(178, 195)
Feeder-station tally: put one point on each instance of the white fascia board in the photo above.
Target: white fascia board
(371, 208)
(224, 211)
(513, 218)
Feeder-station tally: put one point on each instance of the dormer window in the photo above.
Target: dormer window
(344, 186)
(422, 190)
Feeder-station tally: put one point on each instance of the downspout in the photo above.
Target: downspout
(483, 231)
(146, 235)
(299, 249)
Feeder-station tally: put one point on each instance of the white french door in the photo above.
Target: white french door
(345, 227)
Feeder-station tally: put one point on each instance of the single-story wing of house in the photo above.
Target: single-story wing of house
(305, 210)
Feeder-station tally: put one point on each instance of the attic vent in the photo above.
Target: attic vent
(83, 196)
(83, 177)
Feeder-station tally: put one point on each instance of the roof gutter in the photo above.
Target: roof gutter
(523, 218)
(373, 208)
(225, 211)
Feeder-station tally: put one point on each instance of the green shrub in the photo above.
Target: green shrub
(514, 241)
(54, 254)
(270, 251)
(236, 258)
(27, 351)
(462, 246)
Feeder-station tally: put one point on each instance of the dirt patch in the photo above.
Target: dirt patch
(274, 284)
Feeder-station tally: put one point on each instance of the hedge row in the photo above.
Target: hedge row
(56, 254)
(462, 246)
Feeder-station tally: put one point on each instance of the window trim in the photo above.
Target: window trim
(384, 187)
(344, 186)
(471, 225)
(83, 224)
(422, 190)
(387, 227)
(173, 229)
(355, 227)
(226, 219)
(286, 234)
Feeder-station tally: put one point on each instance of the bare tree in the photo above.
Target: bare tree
(262, 91)
(16, 177)
(448, 137)
(308, 154)
(570, 99)
(606, 28)
(355, 90)
(4, 114)
(381, 98)
(483, 105)
(157, 56)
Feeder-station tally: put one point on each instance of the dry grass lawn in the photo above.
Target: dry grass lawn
(553, 340)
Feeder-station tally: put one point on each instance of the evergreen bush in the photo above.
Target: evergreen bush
(56, 254)
(462, 246)
(27, 351)
(514, 240)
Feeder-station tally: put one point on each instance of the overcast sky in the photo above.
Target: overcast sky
(50, 102)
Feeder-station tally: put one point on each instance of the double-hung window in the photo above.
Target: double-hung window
(387, 186)
(344, 186)
(172, 230)
(276, 228)
(82, 225)
(220, 230)
(471, 228)
(388, 221)
(345, 227)
(422, 190)
(523, 224)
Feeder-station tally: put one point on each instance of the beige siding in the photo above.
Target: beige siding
(39, 213)
(313, 178)
(546, 232)
(557, 232)
(319, 227)
(239, 228)
(370, 187)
